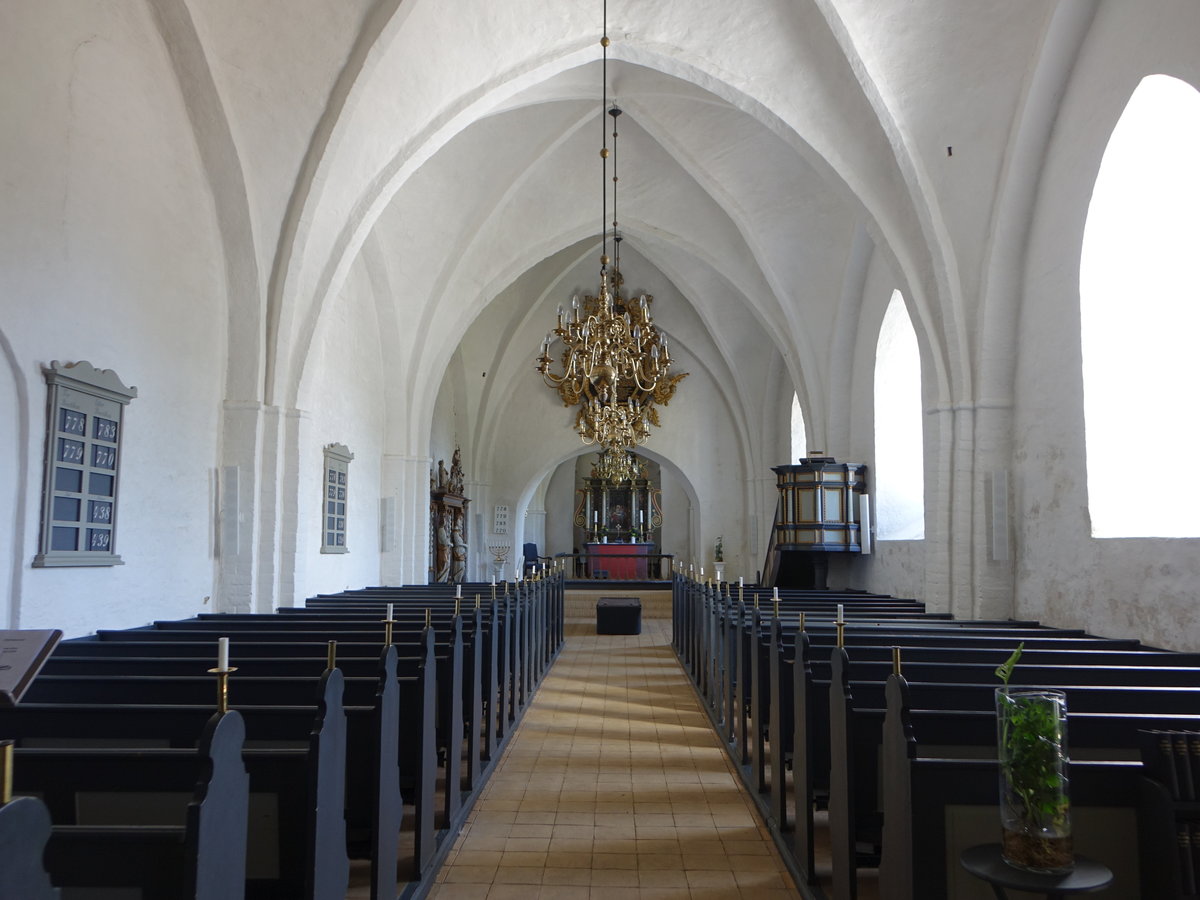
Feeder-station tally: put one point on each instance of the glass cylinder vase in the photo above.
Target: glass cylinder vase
(1035, 811)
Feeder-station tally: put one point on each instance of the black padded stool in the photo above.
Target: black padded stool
(618, 615)
(986, 863)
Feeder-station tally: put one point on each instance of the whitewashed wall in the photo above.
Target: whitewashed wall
(108, 252)
(1141, 588)
(342, 399)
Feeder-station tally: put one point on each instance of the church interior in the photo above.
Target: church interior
(295, 262)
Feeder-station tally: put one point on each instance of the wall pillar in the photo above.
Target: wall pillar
(405, 484)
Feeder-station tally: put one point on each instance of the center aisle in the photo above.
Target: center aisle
(614, 786)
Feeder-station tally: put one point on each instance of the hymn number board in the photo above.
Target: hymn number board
(83, 451)
(337, 482)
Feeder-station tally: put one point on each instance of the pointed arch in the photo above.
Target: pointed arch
(899, 442)
(1139, 299)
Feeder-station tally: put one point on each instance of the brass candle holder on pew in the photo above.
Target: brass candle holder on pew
(477, 599)
(223, 671)
(777, 607)
(841, 634)
(331, 657)
(895, 660)
(387, 627)
(6, 771)
(801, 620)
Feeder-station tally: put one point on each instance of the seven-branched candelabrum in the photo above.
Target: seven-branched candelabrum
(615, 365)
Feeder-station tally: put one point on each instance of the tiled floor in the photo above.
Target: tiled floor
(614, 786)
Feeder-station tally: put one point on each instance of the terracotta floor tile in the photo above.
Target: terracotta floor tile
(460, 892)
(613, 786)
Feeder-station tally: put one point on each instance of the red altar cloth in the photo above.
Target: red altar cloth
(620, 561)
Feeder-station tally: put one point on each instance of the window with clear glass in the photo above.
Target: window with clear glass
(336, 488)
(1139, 311)
(899, 429)
(799, 437)
(85, 424)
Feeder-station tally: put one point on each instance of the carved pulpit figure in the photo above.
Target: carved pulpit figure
(455, 484)
(448, 522)
(443, 550)
(458, 552)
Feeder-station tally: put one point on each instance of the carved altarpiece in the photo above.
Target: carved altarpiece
(448, 523)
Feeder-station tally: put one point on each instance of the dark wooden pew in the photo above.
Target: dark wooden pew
(307, 775)
(200, 854)
(1104, 720)
(253, 634)
(410, 744)
(757, 692)
(920, 788)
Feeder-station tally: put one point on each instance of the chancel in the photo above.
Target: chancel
(793, 337)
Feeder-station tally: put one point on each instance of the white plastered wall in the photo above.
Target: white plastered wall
(342, 399)
(109, 253)
(1142, 588)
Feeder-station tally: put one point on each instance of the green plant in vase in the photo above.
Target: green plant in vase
(1035, 811)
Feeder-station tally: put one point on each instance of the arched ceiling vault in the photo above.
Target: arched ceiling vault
(683, 66)
(770, 134)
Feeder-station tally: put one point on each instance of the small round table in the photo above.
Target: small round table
(986, 863)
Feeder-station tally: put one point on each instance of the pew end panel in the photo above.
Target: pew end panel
(24, 832)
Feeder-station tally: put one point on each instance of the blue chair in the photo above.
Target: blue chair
(529, 551)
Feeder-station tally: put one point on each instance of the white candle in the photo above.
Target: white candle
(223, 653)
(493, 581)
(774, 593)
(458, 592)
(740, 581)
(702, 571)
(840, 610)
(389, 618)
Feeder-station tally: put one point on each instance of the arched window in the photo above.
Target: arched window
(899, 442)
(1139, 305)
(799, 437)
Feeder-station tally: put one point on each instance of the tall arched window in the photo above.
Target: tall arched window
(799, 437)
(899, 442)
(1139, 305)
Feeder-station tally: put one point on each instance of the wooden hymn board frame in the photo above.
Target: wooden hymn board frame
(84, 429)
(22, 654)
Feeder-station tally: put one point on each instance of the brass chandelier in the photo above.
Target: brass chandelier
(618, 466)
(614, 363)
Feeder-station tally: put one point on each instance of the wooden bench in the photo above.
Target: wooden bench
(766, 697)
(304, 770)
(199, 853)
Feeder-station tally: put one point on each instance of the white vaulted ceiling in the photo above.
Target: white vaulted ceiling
(457, 141)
